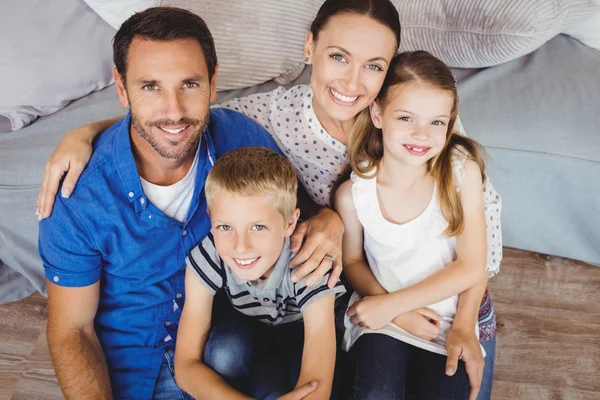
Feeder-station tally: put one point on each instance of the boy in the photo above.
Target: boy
(251, 201)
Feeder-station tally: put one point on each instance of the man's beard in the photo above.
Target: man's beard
(165, 151)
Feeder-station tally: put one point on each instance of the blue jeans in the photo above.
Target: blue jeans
(260, 361)
(389, 369)
(485, 392)
(166, 388)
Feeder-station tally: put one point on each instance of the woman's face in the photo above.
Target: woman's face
(350, 60)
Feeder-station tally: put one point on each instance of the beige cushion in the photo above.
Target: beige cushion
(256, 40)
(482, 33)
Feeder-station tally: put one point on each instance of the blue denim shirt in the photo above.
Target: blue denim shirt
(107, 231)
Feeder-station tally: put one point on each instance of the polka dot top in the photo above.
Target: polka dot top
(319, 159)
(288, 115)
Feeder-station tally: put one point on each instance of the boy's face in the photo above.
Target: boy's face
(249, 233)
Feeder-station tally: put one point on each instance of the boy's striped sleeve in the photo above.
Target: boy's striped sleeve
(207, 264)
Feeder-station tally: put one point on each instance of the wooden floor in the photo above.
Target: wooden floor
(548, 334)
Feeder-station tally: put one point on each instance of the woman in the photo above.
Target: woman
(350, 45)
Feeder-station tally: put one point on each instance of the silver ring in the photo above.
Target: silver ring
(332, 258)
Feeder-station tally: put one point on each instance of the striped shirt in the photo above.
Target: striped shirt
(274, 300)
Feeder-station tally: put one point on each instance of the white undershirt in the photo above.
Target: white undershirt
(174, 200)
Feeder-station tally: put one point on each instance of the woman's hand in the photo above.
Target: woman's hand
(462, 344)
(322, 249)
(70, 156)
(300, 392)
(422, 322)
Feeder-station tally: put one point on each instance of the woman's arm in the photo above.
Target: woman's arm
(318, 356)
(191, 374)
(467, 271)
(70, 156)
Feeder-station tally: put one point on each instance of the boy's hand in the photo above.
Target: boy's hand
(463, 345)
(422, 322)
(322, 249)
(300, 392)
(373, 312)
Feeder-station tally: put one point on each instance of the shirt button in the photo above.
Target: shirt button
(178, 295)
(184, 232)
(142, 200)
(167, 323)
(130, 194)
(56, 279)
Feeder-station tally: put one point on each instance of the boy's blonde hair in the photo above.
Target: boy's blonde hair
(255, 171)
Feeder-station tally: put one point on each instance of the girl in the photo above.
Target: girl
(349, 46)
(415, 205)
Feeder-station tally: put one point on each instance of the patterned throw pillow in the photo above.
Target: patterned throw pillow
(256, 40)
(482, 33)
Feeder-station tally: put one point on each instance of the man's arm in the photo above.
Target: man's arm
(76, 353)
(191, 373)
(318, 356)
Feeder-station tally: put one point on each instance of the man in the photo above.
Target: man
(114, 252)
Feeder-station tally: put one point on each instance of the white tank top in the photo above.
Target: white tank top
(401, 255)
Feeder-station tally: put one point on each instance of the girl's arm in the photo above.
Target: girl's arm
(318, 356)
(466, 272)
(356, 269)
(70, 156)
(191, 374)
(471, 250)
(420, 322)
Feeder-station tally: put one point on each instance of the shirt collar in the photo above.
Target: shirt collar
(274, 279)
(127, 167)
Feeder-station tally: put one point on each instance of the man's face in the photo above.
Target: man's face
(168, 91)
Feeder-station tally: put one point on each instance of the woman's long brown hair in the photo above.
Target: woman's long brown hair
(365, 147)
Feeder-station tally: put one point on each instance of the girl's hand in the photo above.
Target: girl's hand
(70, 156)
(300, 392)
(463, 345)
(422, 322)
(373, 312)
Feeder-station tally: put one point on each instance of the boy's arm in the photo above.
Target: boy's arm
(76, 353)
(191, 374)
(318, 356)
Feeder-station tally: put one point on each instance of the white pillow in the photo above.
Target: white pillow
(482, 33)
(587, 31)
(52, 52)
(116, 12)
(256, 40)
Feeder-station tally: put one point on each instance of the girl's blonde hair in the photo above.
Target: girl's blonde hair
(365, 146)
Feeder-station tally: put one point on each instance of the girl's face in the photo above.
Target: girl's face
(350, 60)
(414, 122)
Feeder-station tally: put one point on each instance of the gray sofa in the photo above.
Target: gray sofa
(538, 116)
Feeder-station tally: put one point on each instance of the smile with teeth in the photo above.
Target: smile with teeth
(245, 262)
(174, 130)
(341, 97)
(416, 149)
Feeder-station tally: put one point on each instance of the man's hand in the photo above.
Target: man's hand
(422, 322)
(300, 392)
(463, 344)
(322, 249)
(373, 312)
